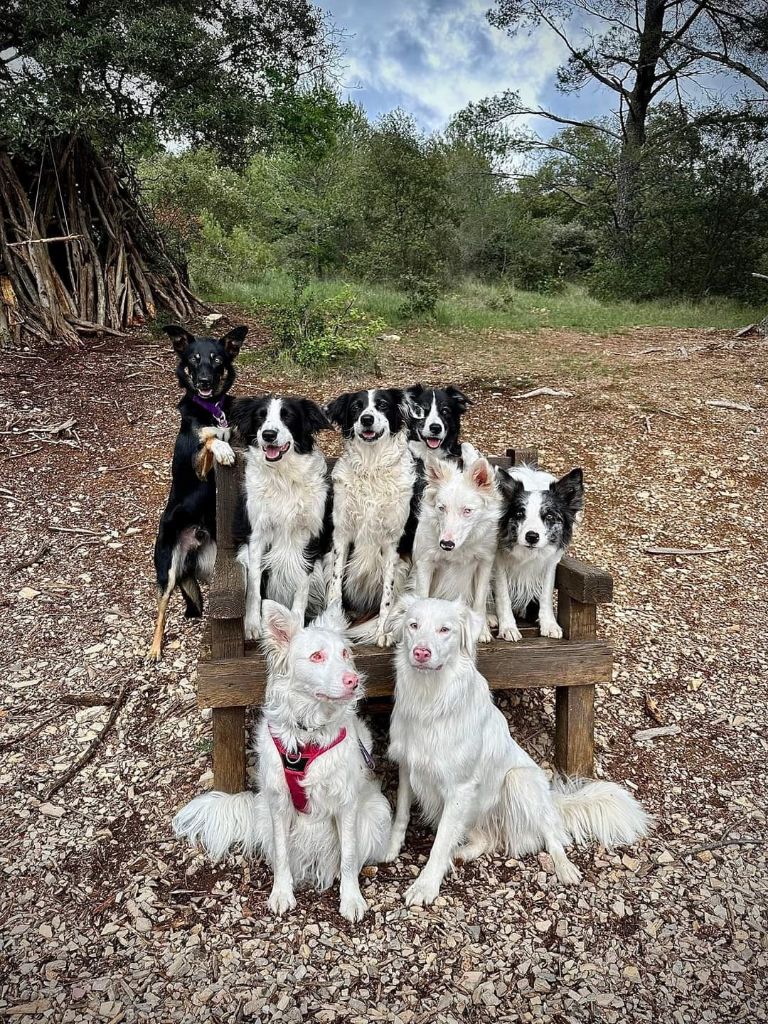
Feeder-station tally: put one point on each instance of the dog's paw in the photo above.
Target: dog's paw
(253, 628)
(385, 639)
(492, 621)
(423, 892)
(222, 452)
(567, 872)
(485, 637)
(281, 901)
(392, 853)
(155, 653)
(551, 629)
(353, 906)
(510, 633)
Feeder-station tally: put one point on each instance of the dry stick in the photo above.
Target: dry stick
(725, 842)
(685, 551)
(552, 392)
(93, 745)
(27, 563)
(87, 700)
(22, 455)
(721, 403)
(43, 241)
(75, 529)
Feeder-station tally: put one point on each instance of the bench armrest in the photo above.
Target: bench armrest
(584, 582)
(227, 600)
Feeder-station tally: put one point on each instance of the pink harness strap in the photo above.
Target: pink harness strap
(295, 769)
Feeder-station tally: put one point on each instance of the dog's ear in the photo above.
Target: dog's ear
(412, 409)
(233, 340)
(462, 401)
(511, 487)
(569, 489)
(180, 337)
(481, 475)
(470, 628)
(279, 627)
(437, 471)
(333, 618)
(397, 614)
(337, 410)
(242, 414)
(314, 415)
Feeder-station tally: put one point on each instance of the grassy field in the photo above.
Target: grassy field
(478, 305)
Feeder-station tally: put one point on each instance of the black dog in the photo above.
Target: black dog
(436, 420)
(185, 548)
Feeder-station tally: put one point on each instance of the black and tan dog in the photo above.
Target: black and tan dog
(185, 548)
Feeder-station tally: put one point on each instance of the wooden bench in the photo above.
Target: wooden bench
(232, 673)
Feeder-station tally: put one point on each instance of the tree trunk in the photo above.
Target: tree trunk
(634, 124)
(78, 254)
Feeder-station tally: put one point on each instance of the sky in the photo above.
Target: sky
(432, 57)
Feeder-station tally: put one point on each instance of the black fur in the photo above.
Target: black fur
(345, 410)
(451, 405)
(559, 506)
(204, 364)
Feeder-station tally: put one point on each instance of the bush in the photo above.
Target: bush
(421, 293)
(315, 332)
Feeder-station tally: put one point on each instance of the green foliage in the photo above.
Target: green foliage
(313, 331)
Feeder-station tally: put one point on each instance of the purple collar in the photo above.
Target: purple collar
(214, 408)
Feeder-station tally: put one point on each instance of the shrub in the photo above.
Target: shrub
(421, 294)
(315, 332)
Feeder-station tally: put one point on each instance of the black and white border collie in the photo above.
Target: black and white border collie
(284, 519)
(374, 502)
(436, 421)
(537, 521)
(185, 547)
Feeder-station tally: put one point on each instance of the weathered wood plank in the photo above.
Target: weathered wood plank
(227, 597)
(527, 664)
(227, 492)
(229, 749)
(584, 582)
(579, 621)
(575, 730)
(526, 456)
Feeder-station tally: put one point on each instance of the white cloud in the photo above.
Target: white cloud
(432, 57)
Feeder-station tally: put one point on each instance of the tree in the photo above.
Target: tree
(639, 50)
(87, 85)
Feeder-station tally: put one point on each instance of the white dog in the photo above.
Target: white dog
(319, 814)
(537, 521)
(473, 782)
(456, 538)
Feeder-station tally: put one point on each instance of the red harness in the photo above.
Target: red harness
(295, 768)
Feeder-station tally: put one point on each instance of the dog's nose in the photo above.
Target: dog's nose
(350, 681)
(447, 545)
(435, 428)
(269, 435)
(204, 382)
(422, 654)
(531, 537)
(366, 420)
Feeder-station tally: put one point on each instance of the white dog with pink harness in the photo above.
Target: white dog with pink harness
(319, 814)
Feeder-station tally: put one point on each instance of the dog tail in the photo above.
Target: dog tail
(600, 810)
(219, 822)
(364, 632)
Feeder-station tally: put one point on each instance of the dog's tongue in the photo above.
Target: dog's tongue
(272, 451)
(433, 442)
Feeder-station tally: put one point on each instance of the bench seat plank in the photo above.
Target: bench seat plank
(532, 662)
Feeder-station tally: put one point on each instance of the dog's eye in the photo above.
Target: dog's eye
(317, 656)
(444, 629)
(216, 360)
(345, 654)
(550, 518)
(445, 412)
(467, 511)
(519, 515)
(413, 625)
(441, 508)
(197, 357)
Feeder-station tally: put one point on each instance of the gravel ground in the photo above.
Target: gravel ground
(104, 916)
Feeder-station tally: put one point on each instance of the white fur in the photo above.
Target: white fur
(523, 574)
(220, 447)
(372, 489)
(480, 790)
(285, 502)
(462, 508)
(348, 820)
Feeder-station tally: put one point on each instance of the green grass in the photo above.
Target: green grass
(475, 304)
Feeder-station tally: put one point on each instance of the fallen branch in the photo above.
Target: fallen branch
(93, 746)
(721, 403)
(23, 455)
(685, 551)
(552, 392)
(44, 241)
(725, 842)
(647, 351)
(87, 700)
(27, 563)
(45, 428)
(75, 529)
(651, 734)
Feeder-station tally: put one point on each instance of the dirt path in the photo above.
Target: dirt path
(103, 916)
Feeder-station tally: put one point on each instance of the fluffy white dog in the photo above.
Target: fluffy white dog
(474, 783)
(319, 814)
